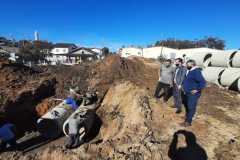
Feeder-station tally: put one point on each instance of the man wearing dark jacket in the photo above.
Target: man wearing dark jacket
(179, 76)
(192, 87)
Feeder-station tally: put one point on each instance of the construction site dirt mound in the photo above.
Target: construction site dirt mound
(70, 76)
(21, 89)
(102, 74)
(116, 69)
(135, 125)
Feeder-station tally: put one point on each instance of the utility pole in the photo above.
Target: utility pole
(162, 46)
(161, 54)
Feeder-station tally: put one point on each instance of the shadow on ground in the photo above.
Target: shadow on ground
(192, 150)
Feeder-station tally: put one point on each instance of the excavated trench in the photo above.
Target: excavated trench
(21, 110)
(22, 88)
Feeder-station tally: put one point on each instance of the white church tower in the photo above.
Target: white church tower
(36, 36)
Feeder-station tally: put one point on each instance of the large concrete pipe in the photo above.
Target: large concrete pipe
(50, 124)
(236, 60)
(212, 74)
(222, 58)
(230, 78)
(80, 111)
(238, 84)
(202, 58)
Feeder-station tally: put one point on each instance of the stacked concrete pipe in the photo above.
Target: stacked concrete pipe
(236, 60)
(50, 124)
(230, 78)
(82, 108)
(213, 74)
(224, 70)
(225, 59)
(225, 77)
(221, 68)
(202, 59)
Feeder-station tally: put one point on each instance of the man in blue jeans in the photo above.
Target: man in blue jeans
(179, 75)
(192, 87)
(7, 136)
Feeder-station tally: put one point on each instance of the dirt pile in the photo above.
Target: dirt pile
(116, 69)
(136, 126)
(22, 88)
(101, 75)
(70, 76)
(127, 132)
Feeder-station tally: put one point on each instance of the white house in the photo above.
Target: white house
(59, 53)
(82, 53)
(98, 51)
(70, 54)
(11, 52)
(63, 48)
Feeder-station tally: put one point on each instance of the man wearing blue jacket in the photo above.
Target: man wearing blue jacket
(74, 99)
(192, 87)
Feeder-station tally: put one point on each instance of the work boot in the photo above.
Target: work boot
(156, 100)
(173, 106)
(185, 124)
(165, 101)
(178, 111)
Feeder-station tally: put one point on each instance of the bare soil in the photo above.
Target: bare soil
(134, 125)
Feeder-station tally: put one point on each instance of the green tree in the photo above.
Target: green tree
(34, 51)
(105, 51)
(208, 42)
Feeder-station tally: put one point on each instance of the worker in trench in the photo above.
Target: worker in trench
(165, 83)
(7, 136)
(81, 123)
(74, 99)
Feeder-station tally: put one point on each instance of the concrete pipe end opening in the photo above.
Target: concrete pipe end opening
(66, 129)
(49, 128)
(239, 85)
(235, 86)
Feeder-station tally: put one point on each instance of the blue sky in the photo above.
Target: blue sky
(114, 23)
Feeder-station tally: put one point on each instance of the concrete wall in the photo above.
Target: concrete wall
(152, 52)
(126, 52)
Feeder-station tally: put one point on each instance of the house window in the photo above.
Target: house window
(64, 50)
